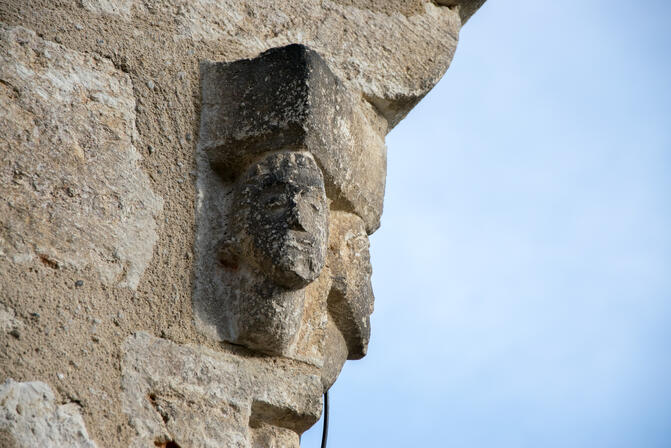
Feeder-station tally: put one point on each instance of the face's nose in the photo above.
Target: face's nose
(295, 216)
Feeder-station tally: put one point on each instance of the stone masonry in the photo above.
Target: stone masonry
(187, 188)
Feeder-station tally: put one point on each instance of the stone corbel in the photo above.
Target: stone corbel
(292, 171)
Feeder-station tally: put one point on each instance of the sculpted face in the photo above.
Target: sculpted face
(282, 223)
(351, 299)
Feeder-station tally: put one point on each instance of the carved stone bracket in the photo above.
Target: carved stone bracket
(288, 99)
(292, 170)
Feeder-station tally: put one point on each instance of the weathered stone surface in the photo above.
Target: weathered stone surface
(288, 98)
(362, 42)
(335, 354)
(280, 221)
(350, 301)
(360, 37)
(71, 191)
(108, 80)
(30, 417)
(262, 121)
(114, 7)
(198, 397)
(273, 246)
(310, 341)
(466, 8)
(268, 436)
(9, 323)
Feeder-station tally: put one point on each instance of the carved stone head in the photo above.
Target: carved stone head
(350, 300)
(304, 161)
(281, 218)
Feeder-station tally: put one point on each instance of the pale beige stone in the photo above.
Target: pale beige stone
(71, 190)
(114, 7)
(362, 45)
(9, 323)
(268, 436)
(30, 417)
(310, 340)
(288, 98)
(198, 397)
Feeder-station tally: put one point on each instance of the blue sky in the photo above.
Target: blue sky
(522, 272)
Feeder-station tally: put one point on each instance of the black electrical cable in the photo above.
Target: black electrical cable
(325, 431)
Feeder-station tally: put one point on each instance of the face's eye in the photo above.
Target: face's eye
(360, 244)
(274, 202)
(273, 198)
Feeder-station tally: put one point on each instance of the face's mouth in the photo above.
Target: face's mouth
(300, 240)
(293, 258)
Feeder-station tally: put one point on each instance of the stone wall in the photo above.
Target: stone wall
(111, 199)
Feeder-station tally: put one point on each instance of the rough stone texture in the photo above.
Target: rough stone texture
(309, 343)
(363, 44)
(239, 296)
(280, 232)
(9, 324)
(115, 7)
(288, 98)
(198, 397)
(281, 218)
(335, 354)
(255, 266)
(350, 301)
(66, 317)
(466, 8)
(30, 417)
(66, 116)
(262, 121)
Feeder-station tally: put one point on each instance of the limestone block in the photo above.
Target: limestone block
(30, 417)
(9, 323)
(280, 219)
(392, 57)
(114, 7)
(288, 99)
(267, 436)
(201, 398)
(71, 191)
